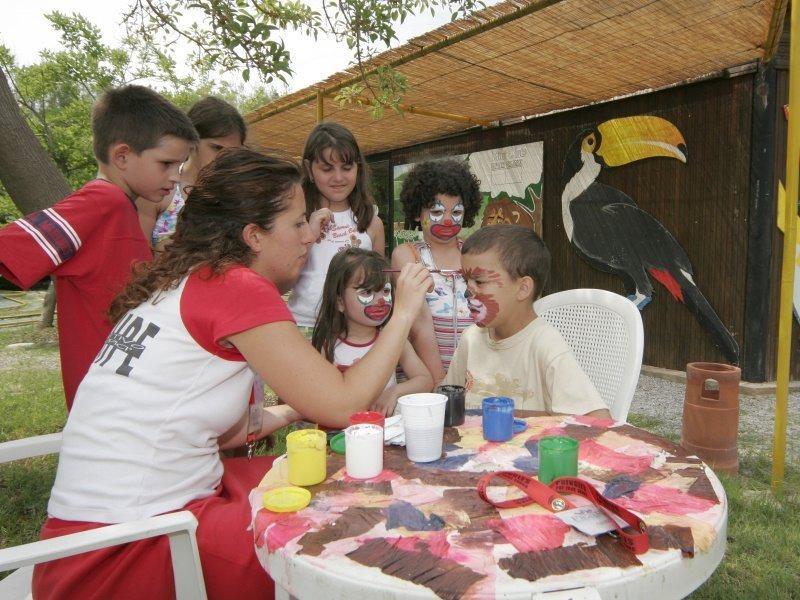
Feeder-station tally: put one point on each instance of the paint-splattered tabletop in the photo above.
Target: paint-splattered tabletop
(420, 530)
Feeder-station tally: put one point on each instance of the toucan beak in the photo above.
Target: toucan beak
(633, 138)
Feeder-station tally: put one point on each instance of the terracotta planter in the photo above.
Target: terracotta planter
(711, 416)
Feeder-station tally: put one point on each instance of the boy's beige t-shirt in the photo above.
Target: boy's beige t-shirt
(535, 367)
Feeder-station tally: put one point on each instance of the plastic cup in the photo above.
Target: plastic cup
(306, 453)
(423, 421)
(454, 413)
(558, 457)
(364, 450)
(498, 418)
(367, 416)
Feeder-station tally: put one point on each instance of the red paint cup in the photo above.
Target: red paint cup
(367, 416)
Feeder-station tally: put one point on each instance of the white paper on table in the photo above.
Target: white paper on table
(394, 433)
(589, 520)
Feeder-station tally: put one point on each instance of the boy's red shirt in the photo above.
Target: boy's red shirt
(88, 241)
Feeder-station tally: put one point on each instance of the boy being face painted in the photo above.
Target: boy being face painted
(442, 221)
(492, 294)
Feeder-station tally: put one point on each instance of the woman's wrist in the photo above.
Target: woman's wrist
(278, 416)
(403, 319)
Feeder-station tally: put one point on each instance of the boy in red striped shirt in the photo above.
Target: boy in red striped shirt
(90, 239)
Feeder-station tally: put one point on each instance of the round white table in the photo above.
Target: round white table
(421, 531)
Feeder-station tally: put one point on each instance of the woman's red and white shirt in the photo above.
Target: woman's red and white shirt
(142, 435)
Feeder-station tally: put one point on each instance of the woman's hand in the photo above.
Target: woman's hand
(319, 220)
(412, 284)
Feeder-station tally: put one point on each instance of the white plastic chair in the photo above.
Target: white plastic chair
(180, 527)
(606, 335)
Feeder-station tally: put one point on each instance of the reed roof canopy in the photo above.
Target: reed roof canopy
(522, 58)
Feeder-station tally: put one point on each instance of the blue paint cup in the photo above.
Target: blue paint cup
(498, 418)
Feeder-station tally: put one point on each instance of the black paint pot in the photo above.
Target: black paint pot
(454, 413)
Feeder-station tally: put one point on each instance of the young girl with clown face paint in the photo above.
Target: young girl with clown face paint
(439, 197)
(356, 301)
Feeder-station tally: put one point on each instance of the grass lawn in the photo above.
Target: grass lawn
(762, 560)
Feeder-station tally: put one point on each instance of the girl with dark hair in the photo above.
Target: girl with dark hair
(172, 385)
(439, 197)
(336, 186)
(356, 301)
(219, 126)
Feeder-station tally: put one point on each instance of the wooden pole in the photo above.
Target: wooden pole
(320, 106)
(789, 248)
(758, 337)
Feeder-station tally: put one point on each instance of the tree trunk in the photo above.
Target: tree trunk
(49, 306)
(27, 172)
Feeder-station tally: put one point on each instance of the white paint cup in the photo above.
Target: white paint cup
(363, 450)
(423, 420)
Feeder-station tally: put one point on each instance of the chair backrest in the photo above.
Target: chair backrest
(605, 332)
(179, 527)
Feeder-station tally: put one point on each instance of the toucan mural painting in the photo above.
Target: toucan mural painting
(614, 235)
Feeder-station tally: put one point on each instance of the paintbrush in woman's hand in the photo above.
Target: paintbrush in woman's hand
(442, 271)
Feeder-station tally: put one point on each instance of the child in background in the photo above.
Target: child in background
(510, 351)
(439, 197)
(219, 126)
(90, 239)
(336, 189)
(356, 300)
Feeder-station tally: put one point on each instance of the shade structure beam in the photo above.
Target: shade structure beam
(421, 110)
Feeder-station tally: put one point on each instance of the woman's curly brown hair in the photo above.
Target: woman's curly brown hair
(239, 187)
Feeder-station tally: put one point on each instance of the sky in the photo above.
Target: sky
(26, 32)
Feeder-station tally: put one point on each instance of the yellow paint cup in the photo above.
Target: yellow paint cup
(305, 450)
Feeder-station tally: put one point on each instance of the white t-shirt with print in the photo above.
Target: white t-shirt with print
(535, 367)
(142, 436)
(341, 233)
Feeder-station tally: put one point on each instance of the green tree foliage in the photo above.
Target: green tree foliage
(234, 37)
(8, 212)
(245, 35)
(56, 93)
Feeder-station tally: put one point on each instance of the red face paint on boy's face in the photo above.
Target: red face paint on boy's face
(484, 275)
(485, 288)
(482, 307)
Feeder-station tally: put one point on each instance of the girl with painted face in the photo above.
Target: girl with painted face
(356, 301)
(439, 197)
(335, 183)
